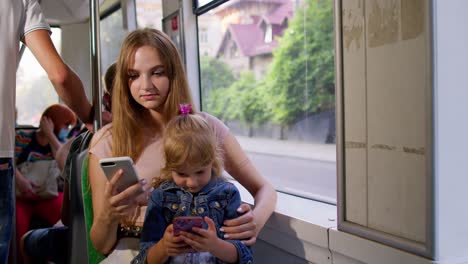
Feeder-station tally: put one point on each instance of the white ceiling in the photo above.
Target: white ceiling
(60, 12)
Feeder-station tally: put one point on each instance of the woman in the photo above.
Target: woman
(149, 86)
(32, 146)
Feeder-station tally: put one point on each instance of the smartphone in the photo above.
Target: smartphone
(111, 165)
(185, 223)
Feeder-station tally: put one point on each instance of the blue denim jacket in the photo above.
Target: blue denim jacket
(218, 200)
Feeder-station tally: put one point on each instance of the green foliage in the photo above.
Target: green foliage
(244, 103)
(216, 77)
(301, 77)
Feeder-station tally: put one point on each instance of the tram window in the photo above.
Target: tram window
(34, 91)
(149, 13)
(267, 71)
(112, 35)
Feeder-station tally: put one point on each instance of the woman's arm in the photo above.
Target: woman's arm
(103, 232)
(239, 166)
(109, 207)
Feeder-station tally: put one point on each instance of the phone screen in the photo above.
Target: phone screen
(185, 223)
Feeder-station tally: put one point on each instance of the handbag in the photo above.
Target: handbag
(44, 173)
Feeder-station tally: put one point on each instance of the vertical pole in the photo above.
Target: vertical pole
(95, 62)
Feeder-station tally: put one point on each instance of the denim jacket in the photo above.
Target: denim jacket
(218, 200)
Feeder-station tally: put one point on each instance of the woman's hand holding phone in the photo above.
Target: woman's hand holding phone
(123, 186)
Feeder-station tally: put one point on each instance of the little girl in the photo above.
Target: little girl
(192, 186)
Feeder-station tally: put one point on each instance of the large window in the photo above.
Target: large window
(268, 73)
(149, 13)
(34, 91)
(112, 35)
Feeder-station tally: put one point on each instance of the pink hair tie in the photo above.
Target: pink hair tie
(185, 109)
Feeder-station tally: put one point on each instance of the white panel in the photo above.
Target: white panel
(397, 194)
(341, 259)
(352, 249)
(397, 96)
(354, 80)
(451, 129)
(66, 11)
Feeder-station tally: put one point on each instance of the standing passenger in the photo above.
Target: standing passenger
(149, 86)
(22, 20)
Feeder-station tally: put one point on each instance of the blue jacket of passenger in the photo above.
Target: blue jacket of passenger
(218, 200)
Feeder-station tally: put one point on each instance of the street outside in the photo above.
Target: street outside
(301, 168)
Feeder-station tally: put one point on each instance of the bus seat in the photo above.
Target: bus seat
(94, 256)
(77, 229)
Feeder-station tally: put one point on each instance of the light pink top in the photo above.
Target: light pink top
(149, 164)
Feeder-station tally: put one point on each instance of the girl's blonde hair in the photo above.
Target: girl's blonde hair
(189, 141)
(128, 115)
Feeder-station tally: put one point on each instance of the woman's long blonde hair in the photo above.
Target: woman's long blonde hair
(190, 141)
(128, 116)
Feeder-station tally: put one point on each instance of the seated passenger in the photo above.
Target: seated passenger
(32, 146)
(193, 168)
(149, 86)
(51, 244)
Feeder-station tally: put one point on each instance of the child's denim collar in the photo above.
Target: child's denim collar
(171, 185)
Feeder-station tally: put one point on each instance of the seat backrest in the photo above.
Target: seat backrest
(94, 256)
(78, 252)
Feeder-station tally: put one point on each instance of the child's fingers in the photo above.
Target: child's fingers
(210, 223)
(193, 243)
(178, 251)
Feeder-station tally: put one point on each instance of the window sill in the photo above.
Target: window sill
(308, 230)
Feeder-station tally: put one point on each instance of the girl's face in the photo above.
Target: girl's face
(148, 82)
(192, 179)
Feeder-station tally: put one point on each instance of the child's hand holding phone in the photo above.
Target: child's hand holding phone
(185, 223)
(174, 245)
(202, 239)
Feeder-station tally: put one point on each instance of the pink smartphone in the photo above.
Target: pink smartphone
(185, 223)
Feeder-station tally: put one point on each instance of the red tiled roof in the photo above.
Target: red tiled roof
(249, 40)
(280, 14)
(234, 2)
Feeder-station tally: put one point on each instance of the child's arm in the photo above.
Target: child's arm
(168, 246)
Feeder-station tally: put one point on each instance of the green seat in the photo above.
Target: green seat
(94, 256)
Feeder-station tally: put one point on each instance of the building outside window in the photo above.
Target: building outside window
(271, 80)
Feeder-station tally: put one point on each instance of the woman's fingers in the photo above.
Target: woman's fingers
(131, 192)
(250, 242)
(242, 223)
(128, 195)
(110, 185)
(243, 227)
(246, 217)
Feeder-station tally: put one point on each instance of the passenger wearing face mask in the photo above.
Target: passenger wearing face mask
(40, 144)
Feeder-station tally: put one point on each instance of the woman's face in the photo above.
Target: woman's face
(148, 82)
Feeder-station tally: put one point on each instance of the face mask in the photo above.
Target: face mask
(62, 135)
